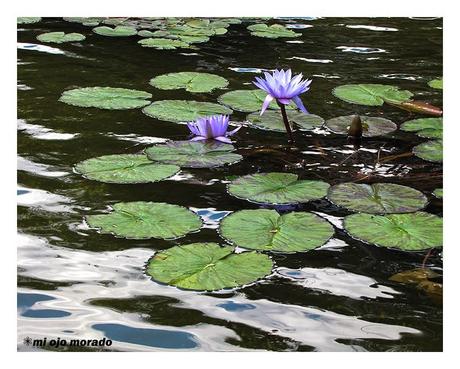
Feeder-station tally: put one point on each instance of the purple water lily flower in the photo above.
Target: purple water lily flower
(213, 127)
(283, 87)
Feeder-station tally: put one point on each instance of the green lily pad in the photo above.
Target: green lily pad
(208, 267)
(438, 193)
(429, 151)
(28, 20)
(378, 198)
(125, 168)
(425, 127)
(371, 94)
(436, 83)
(193, 39)
(264, 229)
(277, 188)
(86, 21)
(118, 31)
(185, 30)
(191, 81)
(183, 110)
(106, 98)
(142, 220)
(163, 43)
(190, 154)
(147, 33)
(372, 126)
(60, 37)
(273, 121)
(248, 101)
(273, 31)
(407, 232)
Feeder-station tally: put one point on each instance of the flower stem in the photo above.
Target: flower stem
(286, 121)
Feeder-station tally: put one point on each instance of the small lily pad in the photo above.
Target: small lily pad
(407, 232)
(183, 110)
(273, 31)
(436, 83)
(164, 43)
(191, 81)
(125, 168)
(429, 151)
(273, 121)
(142, 220)
(277, 188)
(372, 126)
(28, 20)
(248, 101)
(208, 267)
(118, 31)
(371, 94)
(86, 21)
(438, 193)
(60, 37)
(106, 98)
(264, 229)
(378, 198)
(190, 154)
(425, 127)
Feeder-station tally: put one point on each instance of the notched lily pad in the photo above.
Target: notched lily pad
(191, 81)
(118, 31)
(190, 154)
(208, 267)
(273, 121)
(436, 83)
(277, 188)
(28, 20)
(164, 43)
(429, 151)
(60, 37)
(125, 168)
(142, 220)
(248, 101)
(424, 127)
(273, 31)
(378, 198)
(371, 94)
(372, 126)
(407, 232)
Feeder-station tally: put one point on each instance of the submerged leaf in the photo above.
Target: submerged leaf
(414, 276)
(420, 107)
(191, 81)
(60, 37)
(429, 151)
(371, 94)
(273, 121)
(372, 126)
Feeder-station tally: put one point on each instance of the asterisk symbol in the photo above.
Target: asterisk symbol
(27, 341)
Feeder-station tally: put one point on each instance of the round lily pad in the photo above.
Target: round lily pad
(208, 267)
(163, 43)
(183, 110)
(378, 198)
(28, 20)
(425, 127)
(264, 229)
(118, 31)
(371, 94)
(277, 188)
(106, 98)
(247, 101)
(273, 31)
(372, 126)
(60, 37)
(141, 220)
(273, 121)
(407, 232)
(125, 168)
(191, 81)
(436, 83)
(438, 193)
(429, 151)
(194, 154)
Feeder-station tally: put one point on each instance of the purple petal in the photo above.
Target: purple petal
(267, 101)
(299, 104)
(284, 101)
(223, 139)
(192, 128)
(198, 138)
(230, 133)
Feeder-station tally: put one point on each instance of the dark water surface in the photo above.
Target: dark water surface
(76, 283)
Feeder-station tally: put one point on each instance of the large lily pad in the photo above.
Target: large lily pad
(164, 43)
(378, 198)
(372, 126)
(273, 121)
(407, 232)
(141, 220)
(429, 151)
(436, 83)
(189, 154)
(264, 229)
(60, 37)
(118, 31)
(28, 20)
(125, 168)
(277, 188)
(371, 94)
(191, 81)
(183, 110)
(273, 31)
(425, 127)
(247, 101)
(106, 98)
(208, 267)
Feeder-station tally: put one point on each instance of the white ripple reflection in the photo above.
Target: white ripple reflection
(372, 28)
(361, 50)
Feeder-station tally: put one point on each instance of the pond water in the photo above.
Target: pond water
(74, 282)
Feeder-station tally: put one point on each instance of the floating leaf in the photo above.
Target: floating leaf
(277, 188)
(264, 229)
(106, 98)
(86, 21)
(146, 33)
(208, 267)
(273, 121)
(60, 37)
(372, 126)
(429, 151)
(194, 154)
(118, 31)
(378, 198)
(141, 220)
(247, 101)
(436, 83)
(407, 232)
(425, 127)
(371, 94)
(28, 20)
(438, 193)
(125, 168)
(191, 81)
(163, 43)
(273, 31)
(413, 276)
(183, 110)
